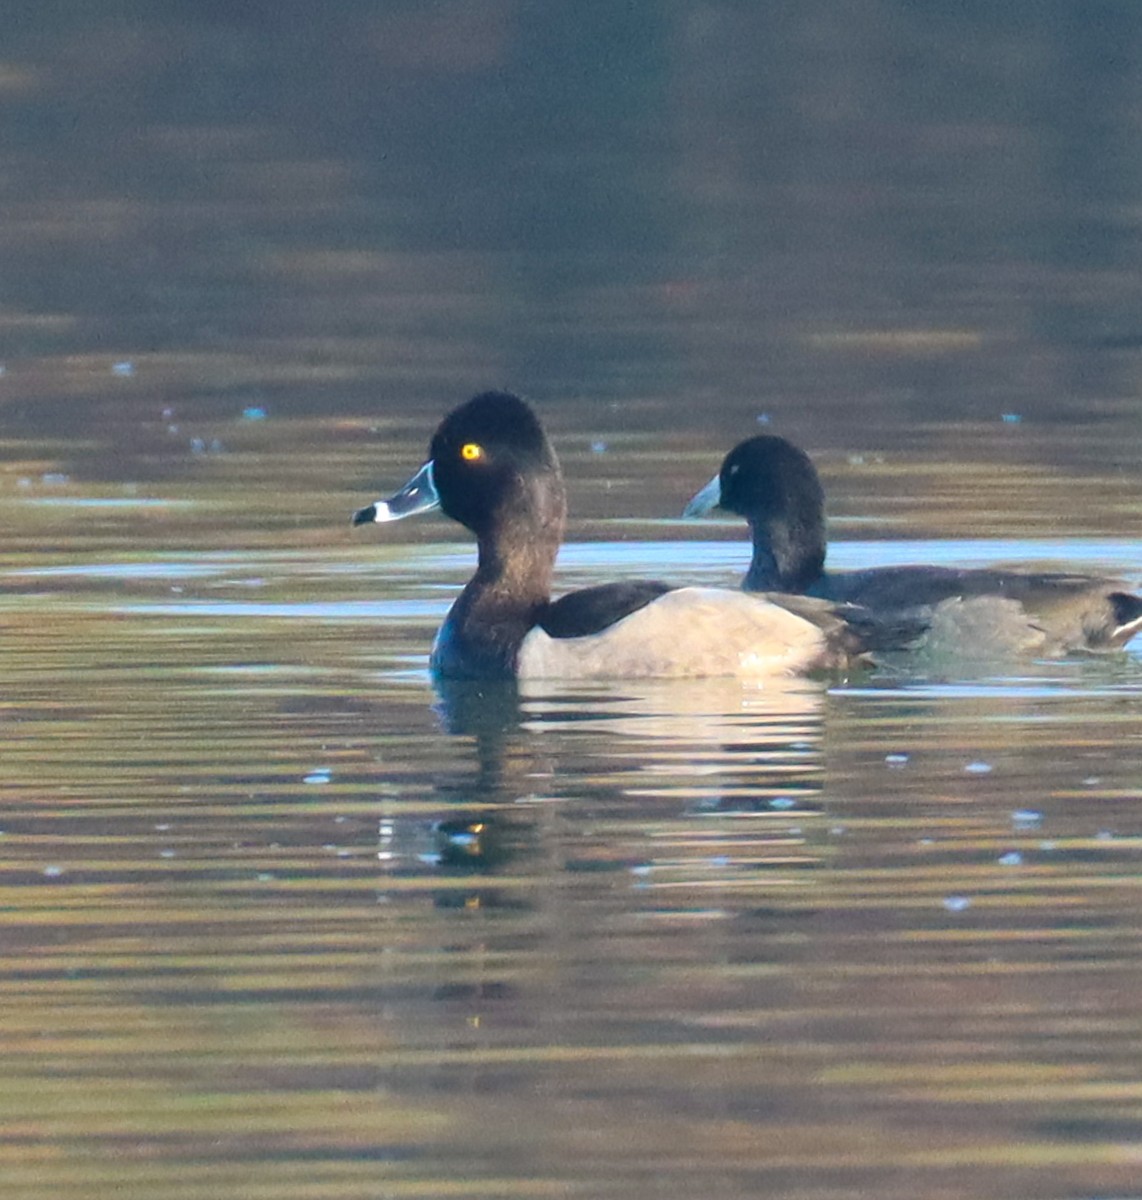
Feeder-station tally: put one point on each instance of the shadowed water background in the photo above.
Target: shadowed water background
(280, 920)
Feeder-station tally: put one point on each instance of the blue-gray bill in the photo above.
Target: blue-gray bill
(418, 495)
(709, 498)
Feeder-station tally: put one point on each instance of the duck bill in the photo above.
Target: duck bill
(709, 498)
(417, 496)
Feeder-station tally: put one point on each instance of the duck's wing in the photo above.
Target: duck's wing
(591, 610)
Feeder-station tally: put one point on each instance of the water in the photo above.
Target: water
(278, 918)
(281, 917)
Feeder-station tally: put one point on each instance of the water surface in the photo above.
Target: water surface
(282, 917)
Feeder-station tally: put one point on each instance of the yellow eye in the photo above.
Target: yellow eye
(471, 451)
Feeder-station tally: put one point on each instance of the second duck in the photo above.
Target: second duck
(775, 487)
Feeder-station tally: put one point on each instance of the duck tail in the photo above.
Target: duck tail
(1127, 612)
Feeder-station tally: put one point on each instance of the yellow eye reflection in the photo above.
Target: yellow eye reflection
(471, 451)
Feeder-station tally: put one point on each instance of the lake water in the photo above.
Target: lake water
(280, 919)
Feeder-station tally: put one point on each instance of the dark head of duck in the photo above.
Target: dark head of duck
(775, 486)
(496, 473)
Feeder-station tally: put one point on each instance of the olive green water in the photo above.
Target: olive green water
(278, 919)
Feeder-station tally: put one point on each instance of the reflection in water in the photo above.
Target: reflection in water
(742, 762)
(480, 708)
(723, 744)
(282, 905)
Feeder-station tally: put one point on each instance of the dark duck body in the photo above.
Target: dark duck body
(775, 487)
(492, 468)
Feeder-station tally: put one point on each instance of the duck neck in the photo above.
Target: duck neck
(788, 555)
(514, 571)
(502, 601)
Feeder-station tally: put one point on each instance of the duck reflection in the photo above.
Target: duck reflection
(714, 745)
(482, 824)
(480, 708)
(694, 782)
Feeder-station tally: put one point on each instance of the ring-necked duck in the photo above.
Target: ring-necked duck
(492, 468)
(775, 486)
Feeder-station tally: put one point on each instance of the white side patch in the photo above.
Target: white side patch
(689, 633)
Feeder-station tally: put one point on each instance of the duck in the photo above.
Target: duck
(492, 468)
(774, 485)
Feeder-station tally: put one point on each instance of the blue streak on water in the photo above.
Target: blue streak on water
(106, 502)
(133, 570)
(623, 557)
(345, 610)
(1081, 553)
